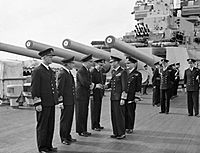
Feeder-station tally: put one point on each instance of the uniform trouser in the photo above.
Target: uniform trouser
(145, 88)
(165, 95)
(81, 115)
(193, 102)
(130, 115)
(156, 95)
(45, 127)
(96, 109)
(118, 117)
(66, 119)
(176, 83)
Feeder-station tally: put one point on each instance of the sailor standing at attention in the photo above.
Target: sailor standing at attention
(45, 97)
(66, 94)
(118, 85)
(166, 84)
(191, 79)
(134, 85)
(156, 85)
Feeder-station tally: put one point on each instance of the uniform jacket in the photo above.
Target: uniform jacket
(134, 84)
(97, 77)
(66, 87)
(191, 79)
(167, 78)
(83, 78)
(118, 83)
(156, 77)
(43, 86)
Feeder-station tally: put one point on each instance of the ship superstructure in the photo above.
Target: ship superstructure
(164, 23)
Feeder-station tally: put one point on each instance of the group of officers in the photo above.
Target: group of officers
(165, 83)
(89, 88)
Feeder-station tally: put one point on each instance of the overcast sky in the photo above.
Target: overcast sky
(52, 21)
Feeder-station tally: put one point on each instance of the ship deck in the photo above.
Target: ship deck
(154, 133)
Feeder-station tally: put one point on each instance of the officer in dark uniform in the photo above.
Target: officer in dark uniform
(191, 79)
(146, 83)
(45, 97)
(156, 84)
(173, 68)
(97, 79)
(118, 85)
(83, 90)
(177, 79)
(133, 86)
(166, 84)
(66, 93)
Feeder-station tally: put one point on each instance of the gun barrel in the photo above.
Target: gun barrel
(111, 41)
(30, 44)
(81, 48)
(28, 52)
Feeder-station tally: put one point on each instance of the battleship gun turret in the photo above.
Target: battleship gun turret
(111, 41)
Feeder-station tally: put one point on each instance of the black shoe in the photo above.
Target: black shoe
(83, 134)
(53, 149)
(121, 136)
(113, 136)
(88, 133)
(44, 151)
(161, 112)
(197, 115)
(72, 140)
(129, 131)
(166, 112)
(190, 114)
(97, 129)
(66, 142)
(101, 127)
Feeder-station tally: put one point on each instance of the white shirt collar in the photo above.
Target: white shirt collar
(47, 67)
(66, 69)
(117, 68)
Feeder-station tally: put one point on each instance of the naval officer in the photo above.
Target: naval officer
(83, 90)
(44, 93)
(156, 85)
(118, 85)
(66, 93)
(134, 85)
(98, 92)
(166, 84)
(191, 79)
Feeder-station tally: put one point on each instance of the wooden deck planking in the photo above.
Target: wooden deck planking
(154, 132)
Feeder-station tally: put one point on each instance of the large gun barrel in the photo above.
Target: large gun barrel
(30, 44)
(81, 48)
(29, 53)
(111, 41)
(25, 52)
